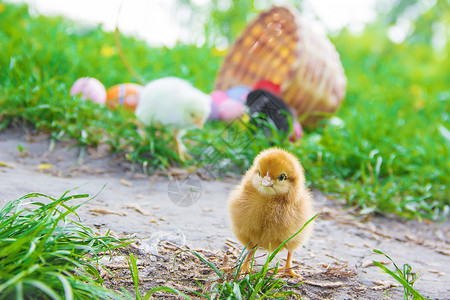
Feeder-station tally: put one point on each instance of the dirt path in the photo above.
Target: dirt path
(339, 251)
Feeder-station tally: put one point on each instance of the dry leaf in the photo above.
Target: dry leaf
(44, 167)
(231, 241)
(137, 207)
(325, 284)
(443, 251)
(140, 176)
(6, 165)
(88, 170)
(383, 285)
(338, 271)
(107, 211)
(152, 220)
(126, 182)
(437, 272)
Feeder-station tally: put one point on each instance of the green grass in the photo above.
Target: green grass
(256, 285)
(44, 254)
(135, 277)
(388, 152)
(405, 277)
(262, 284)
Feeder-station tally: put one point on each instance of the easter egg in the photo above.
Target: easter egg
(230, 109)
(268, 86)
(214, 115)
(90, 89)
(125, 95)
(298, 132)
(238, 92)
(218, 96)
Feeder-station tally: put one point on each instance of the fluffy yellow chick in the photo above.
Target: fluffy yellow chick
(173, 102)
(271, 204)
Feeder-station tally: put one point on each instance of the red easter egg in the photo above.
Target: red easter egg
(126, 95)
(268, 86)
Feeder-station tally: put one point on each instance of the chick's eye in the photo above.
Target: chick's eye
(282, 177)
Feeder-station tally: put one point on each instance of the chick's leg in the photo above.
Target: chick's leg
(246, 265)
(181, 148)
(286, 270)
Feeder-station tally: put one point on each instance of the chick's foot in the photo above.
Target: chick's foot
(288, 272)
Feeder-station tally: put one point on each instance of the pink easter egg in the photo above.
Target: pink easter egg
(298, 132)
(90, 89)
(230, 109)
(218, 97)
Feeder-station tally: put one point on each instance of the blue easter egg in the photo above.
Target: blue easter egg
(238, 93)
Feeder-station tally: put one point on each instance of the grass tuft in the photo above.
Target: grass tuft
(405, 277)
(259, 285)
(46, 254)
(135, 277)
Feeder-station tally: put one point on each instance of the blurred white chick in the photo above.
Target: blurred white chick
(176, 103)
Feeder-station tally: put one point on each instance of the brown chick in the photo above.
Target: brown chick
(271, 204)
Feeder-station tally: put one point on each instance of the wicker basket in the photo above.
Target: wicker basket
(279, 46)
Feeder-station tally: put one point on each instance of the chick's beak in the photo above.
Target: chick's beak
(267, 181)
(199, 123)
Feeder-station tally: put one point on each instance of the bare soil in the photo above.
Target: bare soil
(336, 263)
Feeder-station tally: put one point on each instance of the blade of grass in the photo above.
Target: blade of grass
(44, 288)
(272, 256)
(209, 264)
(399, 276)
